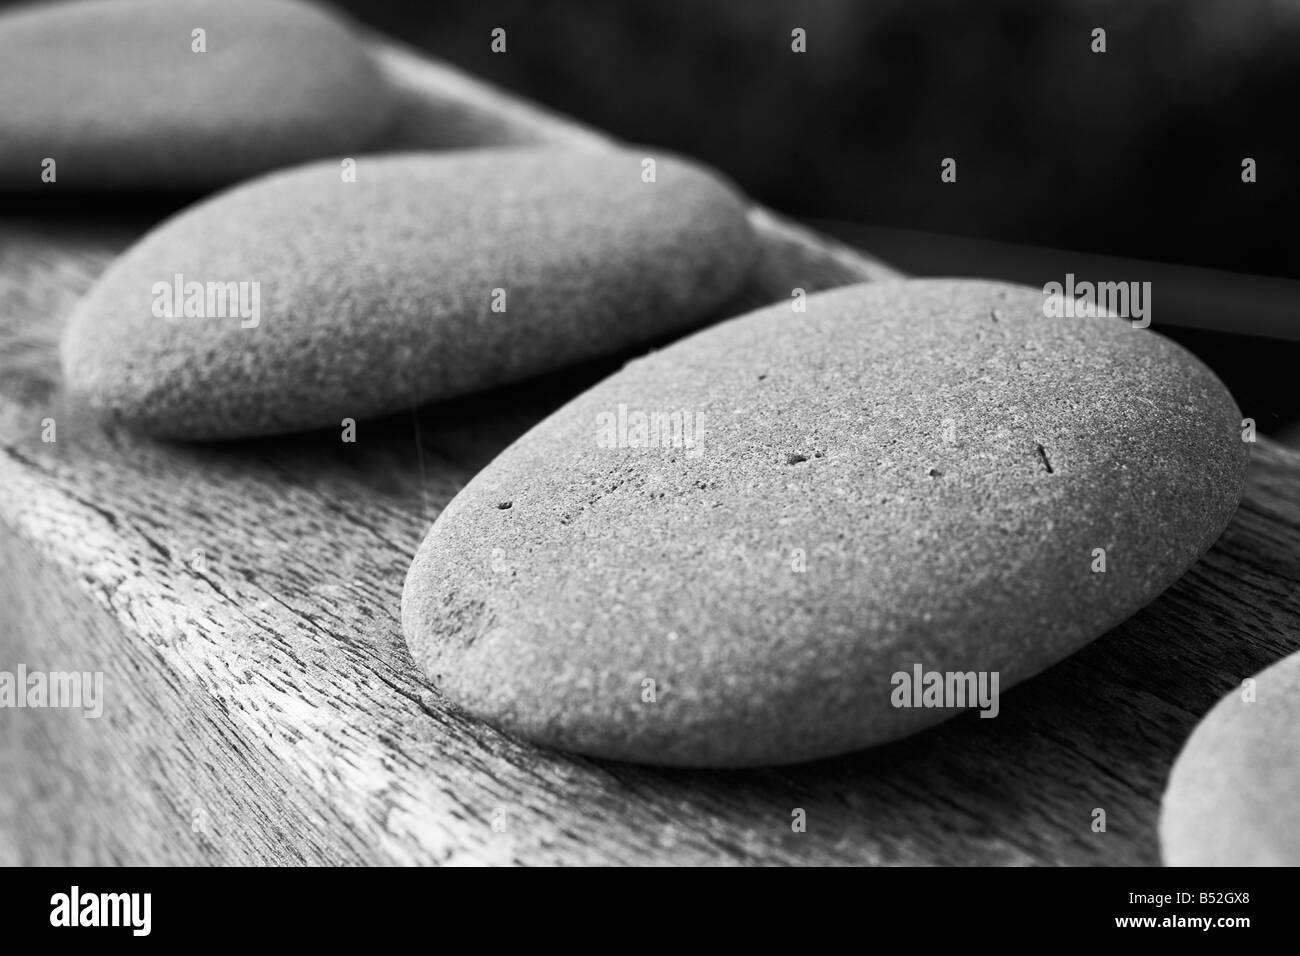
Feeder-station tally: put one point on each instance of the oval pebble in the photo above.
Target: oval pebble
(911, 474)
(430, 276)
(116, 94)
(1232, 795)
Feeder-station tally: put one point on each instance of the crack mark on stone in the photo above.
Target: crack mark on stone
(1042, 453)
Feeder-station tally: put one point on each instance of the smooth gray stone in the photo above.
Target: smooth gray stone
(945, 458)
(1233, 797)
(116, 96)
(378, 294)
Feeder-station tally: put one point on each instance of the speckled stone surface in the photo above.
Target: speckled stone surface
(378, 294)
(940, 458)
(1233, 797)
(115, 94)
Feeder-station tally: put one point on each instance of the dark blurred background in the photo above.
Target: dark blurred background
(1134, 152)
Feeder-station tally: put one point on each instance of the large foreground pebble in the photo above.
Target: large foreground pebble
(1234, 794)
(117, 93)
(925, 474)
(430, 276)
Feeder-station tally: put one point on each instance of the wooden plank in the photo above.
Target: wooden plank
(262, 707)
(1189, 297)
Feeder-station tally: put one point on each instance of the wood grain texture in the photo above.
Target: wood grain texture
(262, 706)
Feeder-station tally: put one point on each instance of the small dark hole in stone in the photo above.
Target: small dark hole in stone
(795, 458)
(763, 376)
(505, 504)
(935, 473)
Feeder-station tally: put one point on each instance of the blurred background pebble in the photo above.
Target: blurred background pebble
(1132, 153)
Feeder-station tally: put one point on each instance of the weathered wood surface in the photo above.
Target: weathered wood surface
(263, 708)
